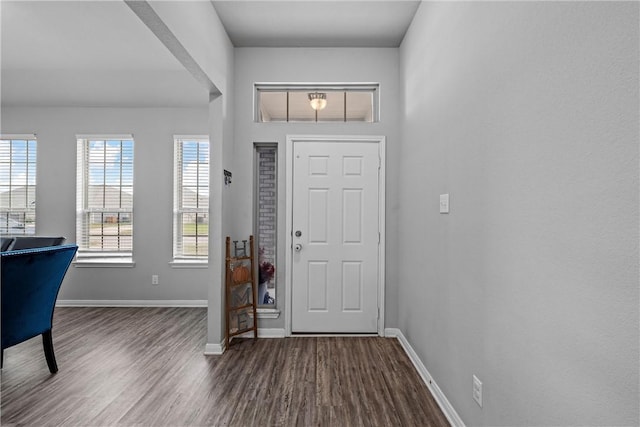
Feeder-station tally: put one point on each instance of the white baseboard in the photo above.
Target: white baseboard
(265, 333)
(268, 313)
(212, 349)
(132, 303)
(448, 409)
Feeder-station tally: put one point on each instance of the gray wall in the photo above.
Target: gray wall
(196, 36)
(153, 130)
(527, 115)
(199, 30)
(312, 65)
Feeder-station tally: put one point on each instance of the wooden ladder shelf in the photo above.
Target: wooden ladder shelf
(241, 292)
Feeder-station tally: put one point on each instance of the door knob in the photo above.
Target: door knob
(298, 247)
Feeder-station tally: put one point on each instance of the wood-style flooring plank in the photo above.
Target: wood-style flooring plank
(145, 367)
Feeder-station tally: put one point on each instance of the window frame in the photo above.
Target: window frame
(267, 311)
(86, 257)
(25, 211)
(372, 87)
(180, 260)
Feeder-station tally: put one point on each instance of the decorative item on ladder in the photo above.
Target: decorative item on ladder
(240, 290)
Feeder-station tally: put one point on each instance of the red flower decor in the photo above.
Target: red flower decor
(266, 270)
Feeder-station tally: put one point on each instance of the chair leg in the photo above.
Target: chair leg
(47, 343)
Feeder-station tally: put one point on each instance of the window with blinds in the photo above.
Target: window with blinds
(104, 222)
(18, 184)
(191, 198)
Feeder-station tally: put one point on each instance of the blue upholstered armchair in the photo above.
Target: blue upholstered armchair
(6, 243)
(31, 279)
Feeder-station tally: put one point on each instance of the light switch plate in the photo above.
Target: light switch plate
(444, 203)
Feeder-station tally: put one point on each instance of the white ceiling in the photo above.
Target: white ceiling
(99, 53)
(90, 34)
(316, 23)
(87, 53)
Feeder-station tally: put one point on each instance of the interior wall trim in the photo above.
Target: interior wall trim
(215, 349)
(212, 349)
(131, 303)
(448, 409)
(265, 333)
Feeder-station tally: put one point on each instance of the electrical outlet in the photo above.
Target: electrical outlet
(477, 391)
(154, 279)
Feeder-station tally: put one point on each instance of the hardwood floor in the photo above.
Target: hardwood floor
(145, 367)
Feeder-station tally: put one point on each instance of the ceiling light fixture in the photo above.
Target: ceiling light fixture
(318, 100)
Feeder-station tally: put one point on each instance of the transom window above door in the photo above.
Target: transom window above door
(315, 102)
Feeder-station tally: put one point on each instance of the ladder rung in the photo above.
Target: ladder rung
(240, 307)
(241, 283)
(238, 258)
(241, 331)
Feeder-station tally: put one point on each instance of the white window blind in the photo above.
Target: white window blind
(104, 218)
(18, 155)
(191, 198)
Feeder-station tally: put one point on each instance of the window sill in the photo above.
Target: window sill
(104, 262)
(188, 264)
(268, 313)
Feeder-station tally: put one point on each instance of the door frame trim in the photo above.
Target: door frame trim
(291, 140)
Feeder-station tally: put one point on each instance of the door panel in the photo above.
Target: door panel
(318, 211)
(317, 298)
(335, 208)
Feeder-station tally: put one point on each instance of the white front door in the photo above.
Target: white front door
(335, 220)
